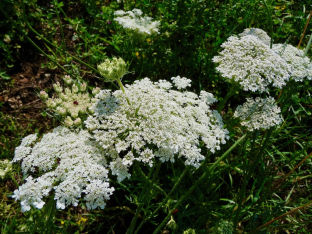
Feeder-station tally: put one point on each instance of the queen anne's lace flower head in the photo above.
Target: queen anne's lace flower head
(301, 66)
(159, 123)
(258, 33)
(133, 20)
(252, 64)
(259, 113)
(71, 165)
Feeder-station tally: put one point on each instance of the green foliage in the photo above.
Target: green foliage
(245, 189)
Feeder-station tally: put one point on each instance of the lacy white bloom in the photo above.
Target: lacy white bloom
(71, 164)
(159, 123)
(259, 33)
(301, 67)
(259, 113)
(181, 83)
(133, 21)
(252, 64)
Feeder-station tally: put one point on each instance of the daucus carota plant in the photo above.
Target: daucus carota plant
(69, 163)
(259, 113)
(301, 66)
(72, 102)
(257, 32)
(136, 23)
(252, 64)
(160, 123)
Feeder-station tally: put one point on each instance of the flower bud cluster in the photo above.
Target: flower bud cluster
(5, 168)
(112, 70)
(133, 21)
(72, 102)
(301, 66)
(259, 113)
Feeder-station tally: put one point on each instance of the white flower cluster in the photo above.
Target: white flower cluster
(181, 83)
(252, 64)
(133, 21)
(301, 67)
(259, 113)
(70, 164)
(257, 32)
(159, 123)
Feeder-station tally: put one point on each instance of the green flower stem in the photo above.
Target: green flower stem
(120, 85)
(60, 23)
(201, 179)
(232, 91)
(140, 172)
(47, 41)
(249, 174)
(85, 40)
(31, 41)
(308, 47)
(165, 200)
(123, 90)
(144, 195)
(270, 21)
(283, 215)
(14, 180)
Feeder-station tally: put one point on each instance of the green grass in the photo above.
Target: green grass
(244, 191)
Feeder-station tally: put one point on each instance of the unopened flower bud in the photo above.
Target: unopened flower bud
(77, 121)
(75, 88)
(50, 103)
(57, 87)
(112, 70)
(63, 96)
(58, 101)
(43, 95)
(67, 80)
(96, 90)
(73, 113)
(67, 91)
(68, 121)
(61, 111)
(83, 87)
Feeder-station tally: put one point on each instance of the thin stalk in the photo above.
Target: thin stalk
(165, 200)
(146, 188)
(47, 41)
(308, 46)
(283, 215)
(242, 192)
(149, 181)
(201, 179)
(231, 92)
(14, 180)
(123, 90)
(305, 28)
(270, 20)
(60, 23)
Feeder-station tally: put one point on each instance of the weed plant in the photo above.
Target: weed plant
(256, 182)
